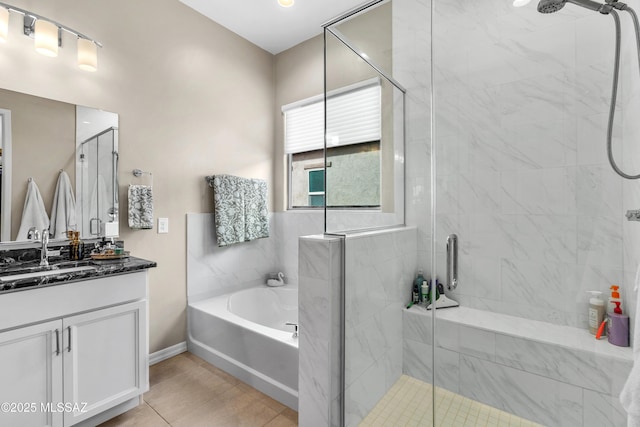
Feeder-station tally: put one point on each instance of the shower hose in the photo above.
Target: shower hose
(614, 91)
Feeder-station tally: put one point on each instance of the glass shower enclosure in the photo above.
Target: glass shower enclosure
(504, 132)
(97, 172)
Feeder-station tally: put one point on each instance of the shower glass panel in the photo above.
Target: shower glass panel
(521, 175)
(364, 173)
(364, 195)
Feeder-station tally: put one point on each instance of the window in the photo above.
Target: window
(353, 135)
(316, 187)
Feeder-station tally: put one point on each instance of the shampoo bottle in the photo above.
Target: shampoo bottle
(596, 311)
(417, 285)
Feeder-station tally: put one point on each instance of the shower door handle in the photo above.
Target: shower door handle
(452, 261)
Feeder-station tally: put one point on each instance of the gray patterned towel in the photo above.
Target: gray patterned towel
(140, 206)
(240, 207)
(255, 209)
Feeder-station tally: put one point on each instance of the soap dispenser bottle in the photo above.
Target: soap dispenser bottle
(613, 299)
(618, 330)
(596, 311)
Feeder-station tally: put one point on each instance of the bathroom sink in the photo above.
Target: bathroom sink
(47, 272)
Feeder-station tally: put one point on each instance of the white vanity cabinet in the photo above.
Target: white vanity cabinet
(82, 359)
(30, 373)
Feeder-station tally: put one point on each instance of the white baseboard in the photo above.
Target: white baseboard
(167, 353)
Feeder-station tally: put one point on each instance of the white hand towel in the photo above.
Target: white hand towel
(630, 395)
(33, 214)
(63, 210)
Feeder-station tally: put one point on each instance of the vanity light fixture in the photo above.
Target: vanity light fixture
(4, 24)
(47, 36)
(286, 3)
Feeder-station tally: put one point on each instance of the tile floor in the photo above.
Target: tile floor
(187, 391)
(409, 403)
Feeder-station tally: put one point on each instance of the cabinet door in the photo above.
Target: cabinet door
(105, 360)
(31, 375)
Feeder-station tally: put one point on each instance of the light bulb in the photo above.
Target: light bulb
(46, 38)
(286, 3)
(87, 55)
(4, 24)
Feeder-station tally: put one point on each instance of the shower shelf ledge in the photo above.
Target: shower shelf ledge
(559, 335)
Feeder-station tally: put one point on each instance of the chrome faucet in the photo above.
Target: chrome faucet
(44, 262)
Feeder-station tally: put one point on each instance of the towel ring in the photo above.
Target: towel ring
(139, 172)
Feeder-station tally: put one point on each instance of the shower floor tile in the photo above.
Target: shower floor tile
(408, 403)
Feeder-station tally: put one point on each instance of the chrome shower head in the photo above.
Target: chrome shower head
(551, 6)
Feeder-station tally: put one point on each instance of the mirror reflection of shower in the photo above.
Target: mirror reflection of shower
(608, 8)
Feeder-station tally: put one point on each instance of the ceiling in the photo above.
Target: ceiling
(270, 26)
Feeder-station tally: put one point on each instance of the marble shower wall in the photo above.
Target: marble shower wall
(212, 270)
(521, 102)
(378, 268)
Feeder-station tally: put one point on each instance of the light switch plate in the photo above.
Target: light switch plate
(163, 225)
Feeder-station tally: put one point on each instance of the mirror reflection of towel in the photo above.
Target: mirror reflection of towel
(33, 214)
(63, 210)
(140, 206)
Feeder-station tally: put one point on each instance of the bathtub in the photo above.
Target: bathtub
(244, 333)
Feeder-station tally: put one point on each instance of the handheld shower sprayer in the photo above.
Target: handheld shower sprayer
(609, 8)
(551, 6)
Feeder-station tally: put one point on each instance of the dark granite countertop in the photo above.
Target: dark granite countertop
(16, 277)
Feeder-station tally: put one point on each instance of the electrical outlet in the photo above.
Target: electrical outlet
(163, 225)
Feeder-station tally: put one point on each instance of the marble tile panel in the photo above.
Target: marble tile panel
(477, 343)
(520, 393)
(314, 382)
(486, 277)
(314, 257)
(493, 236)
(598, 191)
(417, 363)
(416, 325)
(480, 192)
(600, 240)
(535, 98)
(563, 364)
(363, 394)
(602, 410)
(547, 238)
(592, 139)
(536, 284)
(315, 309)
(591, 89)
(547, 191)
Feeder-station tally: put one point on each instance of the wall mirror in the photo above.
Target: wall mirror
(40, 138)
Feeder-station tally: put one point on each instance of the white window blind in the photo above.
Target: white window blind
(353, 117)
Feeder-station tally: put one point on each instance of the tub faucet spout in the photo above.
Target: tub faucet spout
(295, 332)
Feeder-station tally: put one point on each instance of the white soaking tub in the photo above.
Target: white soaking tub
(245, 334)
